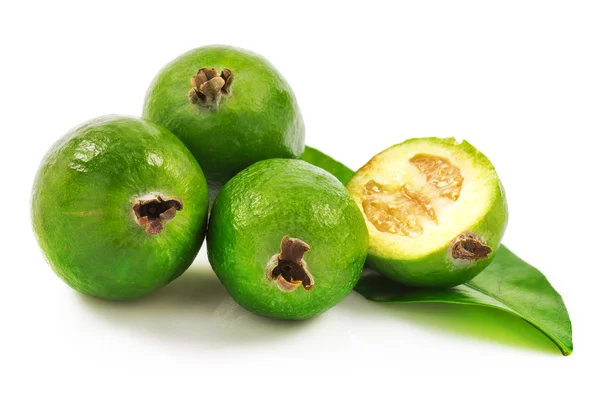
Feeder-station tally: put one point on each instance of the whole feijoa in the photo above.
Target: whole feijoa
(286, 239)
(119, 207)
(230, 107)
(435, 209)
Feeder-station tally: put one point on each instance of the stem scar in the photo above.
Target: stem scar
(152, 214)
(209, 87)
(287, 268)
(470, 246)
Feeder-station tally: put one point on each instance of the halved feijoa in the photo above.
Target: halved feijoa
(286, 239)
(231, 108)
(119, 207)
(435, 209)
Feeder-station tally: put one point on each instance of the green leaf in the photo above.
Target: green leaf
(508, 284)
(318, 158)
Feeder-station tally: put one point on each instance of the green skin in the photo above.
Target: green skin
(259, 119)
(82, 204)
(439, 269)
(272, 199)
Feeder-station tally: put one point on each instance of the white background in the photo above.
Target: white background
(519, 80)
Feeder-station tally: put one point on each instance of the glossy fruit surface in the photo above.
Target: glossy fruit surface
(435, 209)
(119, 207)
(230, 107)
(286, 239)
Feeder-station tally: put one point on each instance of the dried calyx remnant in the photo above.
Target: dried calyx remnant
(209, 87)
(288, 269)
(470, 247)
(401, 209)
(154, 213)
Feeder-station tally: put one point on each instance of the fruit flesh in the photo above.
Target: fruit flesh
(441, 174)
(84, 204)
(250, 219)
(435, 210)
(433, 216)
(406, 210)
(397, 209)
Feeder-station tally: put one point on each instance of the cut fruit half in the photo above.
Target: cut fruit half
(435, 209)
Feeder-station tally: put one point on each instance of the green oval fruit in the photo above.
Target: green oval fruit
(238, 110)
(286, 239)
(119, 207)
(435, 209)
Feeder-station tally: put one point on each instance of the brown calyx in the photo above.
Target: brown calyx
(209, 87)
(154, 213)
(470, 247)
(288, 268)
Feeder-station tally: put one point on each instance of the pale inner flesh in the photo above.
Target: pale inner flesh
(406, 208)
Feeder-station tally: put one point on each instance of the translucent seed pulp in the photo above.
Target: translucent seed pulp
(396, 209)
(402, 209)
(441, 174)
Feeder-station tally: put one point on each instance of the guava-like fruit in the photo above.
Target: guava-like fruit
(435, 209)
(230, 107)
(286, 239)
(119, 207)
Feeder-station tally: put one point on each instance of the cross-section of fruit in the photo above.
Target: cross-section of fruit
(435, 209)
